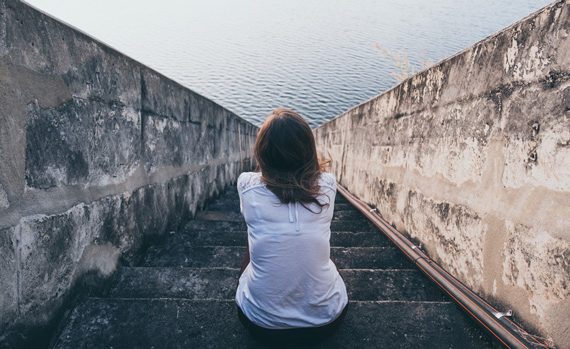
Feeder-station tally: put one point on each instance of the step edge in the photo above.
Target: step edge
(332, 247)
(142, 267)
(218, 300)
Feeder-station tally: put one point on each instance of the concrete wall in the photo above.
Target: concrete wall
(472, 158)
(96, 151)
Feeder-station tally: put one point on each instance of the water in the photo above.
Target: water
(318, 57)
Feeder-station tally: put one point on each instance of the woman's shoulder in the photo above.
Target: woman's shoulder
(248, 180)
(327, 179)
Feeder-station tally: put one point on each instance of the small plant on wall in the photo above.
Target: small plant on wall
(399, 58)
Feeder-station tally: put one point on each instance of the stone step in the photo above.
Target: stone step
(221, 283)
(232, 198)
(348, 215)
(223, 205)
(202, 238)
(361, 225)
(340, 206)
(182, 295)
(177, 255)
(233, 238)
(369, 258)
(205, 225)
(220, 216)
(395, 284)
(231, 191)
(231, 194)
(340, 199)
(231, 216)
(358, 239)
(232, 205)
(181, 323)
(168, 282)
(352, 225)
(174, 255)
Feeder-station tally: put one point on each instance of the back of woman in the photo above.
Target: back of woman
(288, 281)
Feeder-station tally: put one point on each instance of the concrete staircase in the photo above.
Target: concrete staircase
(181, 295)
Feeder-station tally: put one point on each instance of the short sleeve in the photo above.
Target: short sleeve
(247, 180)
(240, 205)
(239, 186)
(328, 179)
(240, 181)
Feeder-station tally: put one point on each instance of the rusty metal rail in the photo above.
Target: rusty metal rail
(497, 323)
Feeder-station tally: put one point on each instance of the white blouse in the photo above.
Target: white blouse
(290, 281)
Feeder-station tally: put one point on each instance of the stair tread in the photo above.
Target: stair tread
(231, 204)
(182, 294)
(178, 255)
(235, 238)
(233, 216)
(181, 323)
(190, 283)
(220, 283)
(217, 225)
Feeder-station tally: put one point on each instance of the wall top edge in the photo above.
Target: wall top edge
(134, 61)
(446, 60)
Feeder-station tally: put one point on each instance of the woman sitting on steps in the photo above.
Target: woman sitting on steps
(289, 289)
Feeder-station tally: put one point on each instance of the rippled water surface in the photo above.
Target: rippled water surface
(319, 57)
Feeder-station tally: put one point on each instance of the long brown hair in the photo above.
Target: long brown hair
(286, 155)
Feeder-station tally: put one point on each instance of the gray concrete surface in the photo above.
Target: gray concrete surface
(472, 158)
(97, 152)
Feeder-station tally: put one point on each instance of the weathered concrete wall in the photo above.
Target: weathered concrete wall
(472, 158)
(96, 151)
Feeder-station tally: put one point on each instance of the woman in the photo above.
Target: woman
(288, 289)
